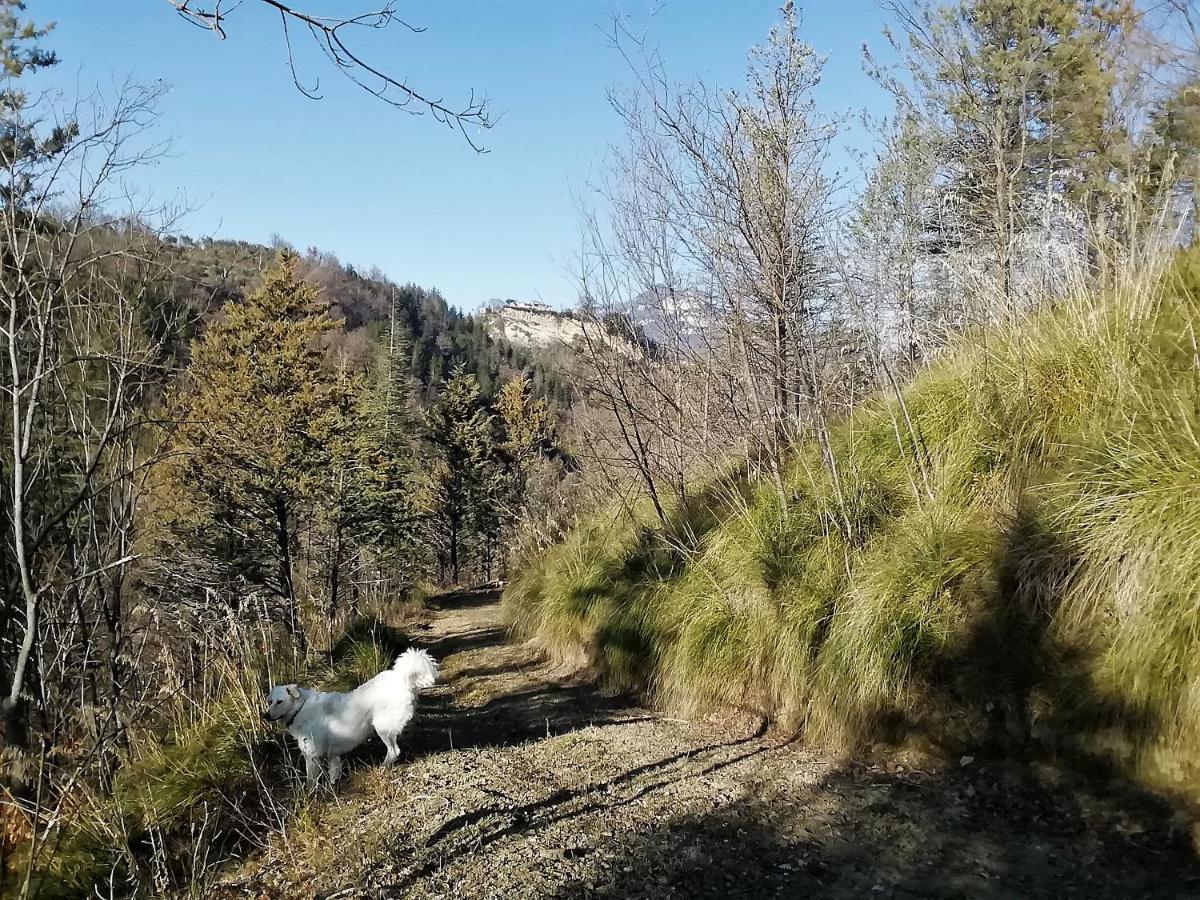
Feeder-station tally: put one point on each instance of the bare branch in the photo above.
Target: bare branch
(329, 34)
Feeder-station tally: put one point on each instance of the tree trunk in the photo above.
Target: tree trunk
(114, 620)
(454, 548)
(10, 707)
(335, 571)
(283, 536)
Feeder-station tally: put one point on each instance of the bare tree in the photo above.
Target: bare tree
(330, 34)
(77, 361)
(718, 207)
(1183, 22)
(900, 279)
(633, 425)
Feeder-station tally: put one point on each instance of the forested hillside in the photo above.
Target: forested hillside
(220, 460)
(201, 276)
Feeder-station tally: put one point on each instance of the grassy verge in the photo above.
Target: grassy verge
(1006, 552)
(204, 786)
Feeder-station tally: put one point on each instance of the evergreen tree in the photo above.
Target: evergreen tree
(525, 427)
(1018, 97)
(1174, 154)
(463, 477)
(395, 390)
(366, 505)
(22, 148)
(526, 435)
(260, 417)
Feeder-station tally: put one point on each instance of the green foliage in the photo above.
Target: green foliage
(524, 421)
(368, 646)
(287, 441)
(1017, 561)
(1174, 152)
(21, 144)
(1045, 65)
(261, 422)
(393, 398)
(18, 41)
(465, 476)
(209, 273)
(1017, 99)
(526, 434)
(273, 444)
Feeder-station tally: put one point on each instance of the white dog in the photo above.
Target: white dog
(326, 725)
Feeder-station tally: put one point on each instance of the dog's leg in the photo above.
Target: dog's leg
(312, 771)
(335, 770)
(393, 749)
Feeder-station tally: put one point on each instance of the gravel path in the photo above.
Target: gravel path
(519, 784)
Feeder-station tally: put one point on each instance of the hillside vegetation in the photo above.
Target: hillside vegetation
(199, 277)
(210, 784)
(1004, 551)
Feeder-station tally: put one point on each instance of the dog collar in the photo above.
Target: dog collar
(292, 718)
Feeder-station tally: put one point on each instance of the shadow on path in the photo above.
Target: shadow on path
(474, 831)
(665, 828)
(859, 833)
(497, 694)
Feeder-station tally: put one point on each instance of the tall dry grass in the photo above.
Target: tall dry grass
(203, 779)
(1007, 553)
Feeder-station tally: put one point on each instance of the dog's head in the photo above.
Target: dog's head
(282, 702)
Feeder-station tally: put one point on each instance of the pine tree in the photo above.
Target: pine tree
(526, 435)
(1174, 154)
(464, 473)
(22, 148)
(259, 416)
(379, 462)
(525, 427)
(366, 506)
(1017, 95)
(396, 392)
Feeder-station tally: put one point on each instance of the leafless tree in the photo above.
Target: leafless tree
(77, 361)
(717, 212)
(635, 408)
(1183, 22)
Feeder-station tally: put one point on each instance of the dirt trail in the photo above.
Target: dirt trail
(518, 784)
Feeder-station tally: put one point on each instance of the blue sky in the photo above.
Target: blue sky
(378, 187)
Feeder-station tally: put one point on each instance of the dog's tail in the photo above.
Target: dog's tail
(417, 667)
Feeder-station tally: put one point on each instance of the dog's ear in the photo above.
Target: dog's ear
(293, 691)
